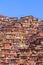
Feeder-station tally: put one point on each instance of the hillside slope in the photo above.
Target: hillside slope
(21, 41)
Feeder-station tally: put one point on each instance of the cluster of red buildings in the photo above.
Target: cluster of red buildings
(21, 41)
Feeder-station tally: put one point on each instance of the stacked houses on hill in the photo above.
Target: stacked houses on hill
(21, 41)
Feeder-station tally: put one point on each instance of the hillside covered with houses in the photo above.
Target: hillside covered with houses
(21, 41)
